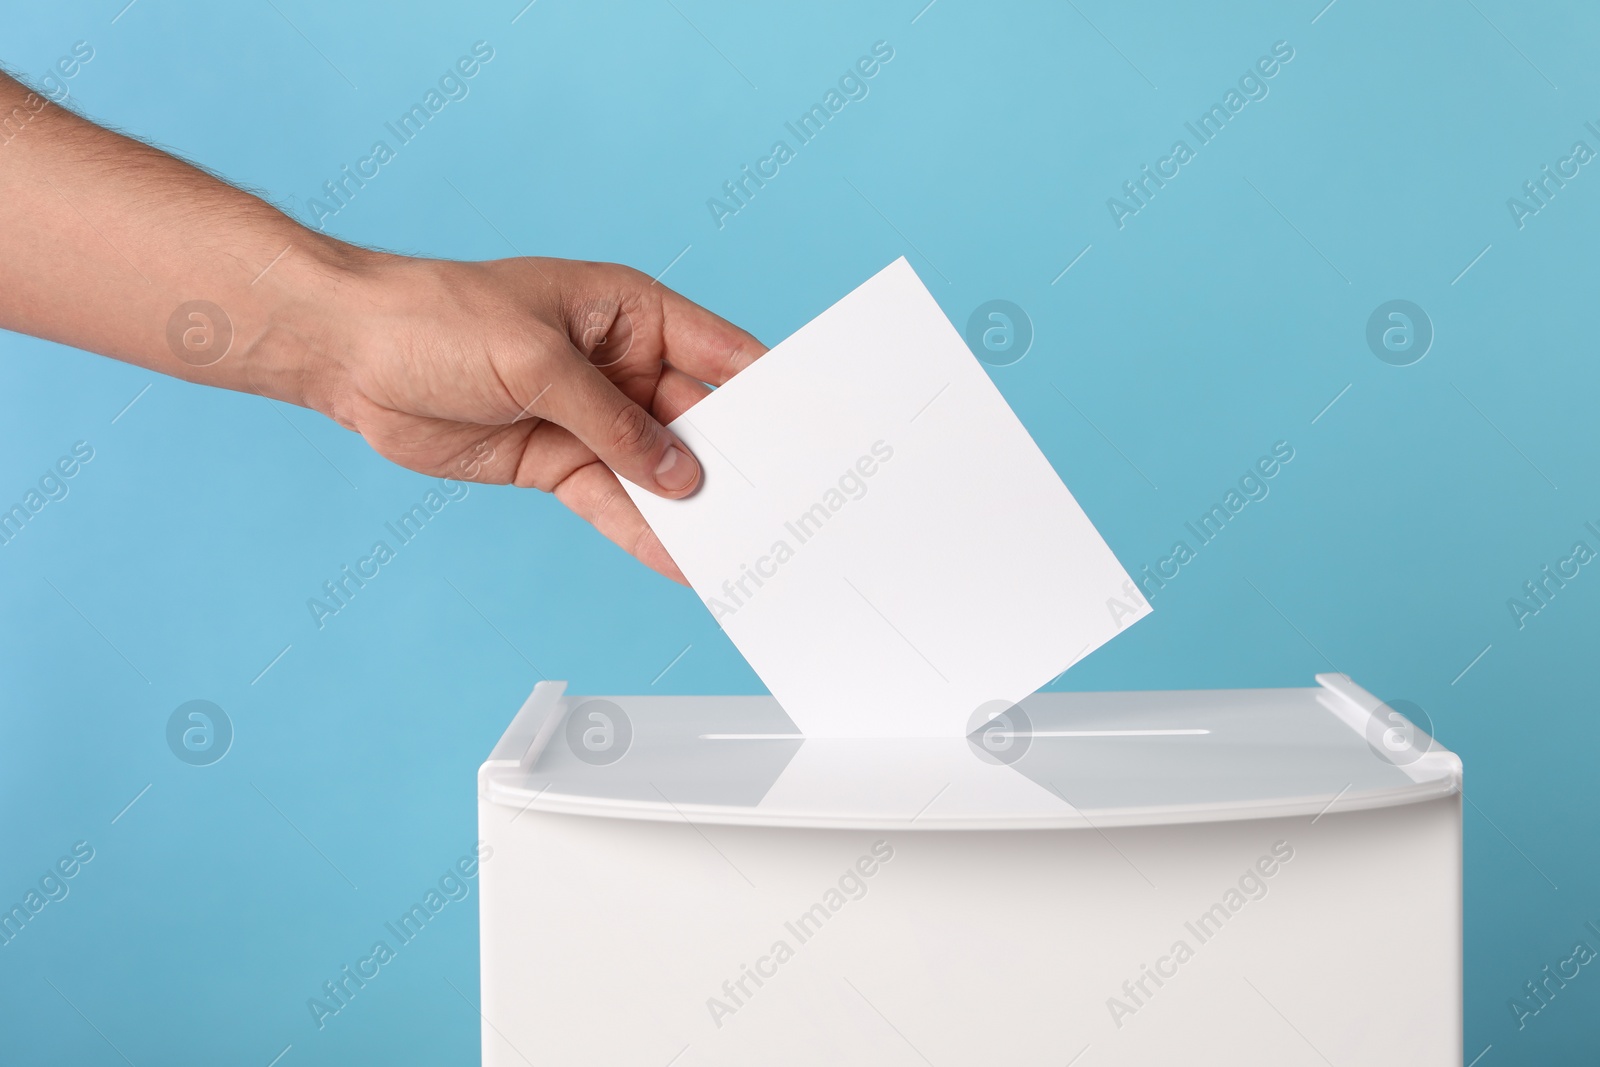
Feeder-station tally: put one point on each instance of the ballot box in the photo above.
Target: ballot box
(1257, 876)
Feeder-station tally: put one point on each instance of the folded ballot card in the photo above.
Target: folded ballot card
(878, 534)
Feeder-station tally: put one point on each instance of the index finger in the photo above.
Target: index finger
(701, 344)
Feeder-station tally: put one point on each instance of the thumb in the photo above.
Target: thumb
(624, 435)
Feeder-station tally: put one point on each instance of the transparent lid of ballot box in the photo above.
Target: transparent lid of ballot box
(1053, 760)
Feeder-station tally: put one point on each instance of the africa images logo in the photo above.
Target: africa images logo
(852, 86)
(851, 485)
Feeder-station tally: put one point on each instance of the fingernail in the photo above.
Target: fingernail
(676, 470)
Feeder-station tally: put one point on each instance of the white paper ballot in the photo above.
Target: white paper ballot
(877, 532)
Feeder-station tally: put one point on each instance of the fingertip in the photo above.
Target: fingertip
(653, 554)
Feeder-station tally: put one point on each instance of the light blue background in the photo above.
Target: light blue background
(1213, 325)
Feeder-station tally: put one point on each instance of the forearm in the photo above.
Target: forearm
(105, 239)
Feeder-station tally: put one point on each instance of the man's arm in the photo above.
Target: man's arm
(545, 373)
(106, 236)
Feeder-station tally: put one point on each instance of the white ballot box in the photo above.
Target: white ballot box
(1257, 876)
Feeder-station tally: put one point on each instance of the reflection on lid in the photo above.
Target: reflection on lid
(1057, 759)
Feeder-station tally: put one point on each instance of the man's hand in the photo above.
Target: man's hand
(543, 373)
(536, 372)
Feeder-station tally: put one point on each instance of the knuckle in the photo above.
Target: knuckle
(633, 432)
(643, 541)
(540, 479)
(533, 473)
(601, 508)
(608, 499)
(546, 343)
(736, 360)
